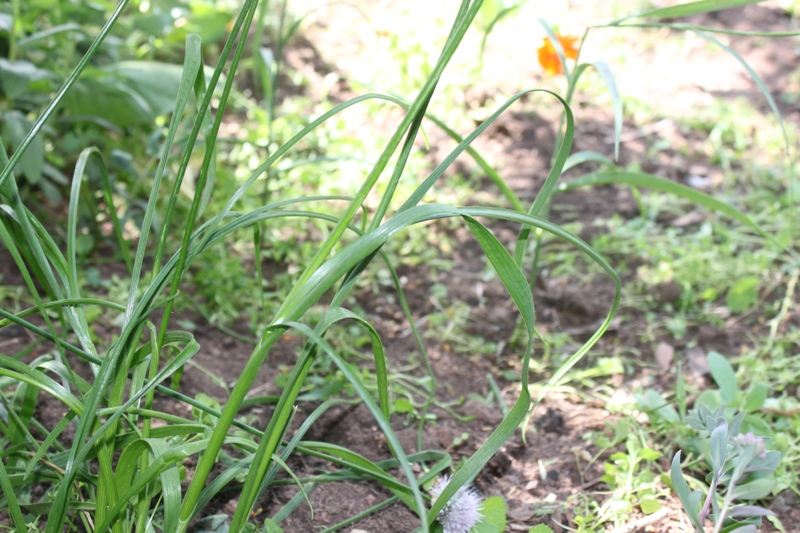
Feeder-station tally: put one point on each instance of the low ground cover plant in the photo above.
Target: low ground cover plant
(116, 462)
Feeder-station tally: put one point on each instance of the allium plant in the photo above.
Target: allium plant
(462, 512)
(119, 466)
(740, 470)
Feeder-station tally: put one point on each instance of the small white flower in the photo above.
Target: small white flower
(462, 512)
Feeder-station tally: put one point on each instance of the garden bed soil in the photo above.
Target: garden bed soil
(539, 476)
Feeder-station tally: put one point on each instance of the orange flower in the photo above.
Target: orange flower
(548, 57)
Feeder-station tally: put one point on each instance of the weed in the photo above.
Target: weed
(740, 464)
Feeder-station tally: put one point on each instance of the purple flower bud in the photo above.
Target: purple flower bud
(746, 439)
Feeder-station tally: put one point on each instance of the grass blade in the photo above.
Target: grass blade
(756, 78)
(639, 179)
(586, 156)
(688, 9)
(12, 504)
(191, 66)
(608, 77)
(707, 29)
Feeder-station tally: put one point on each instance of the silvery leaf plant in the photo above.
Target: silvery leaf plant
(741, 469)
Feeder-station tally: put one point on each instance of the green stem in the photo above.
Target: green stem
(707, 505)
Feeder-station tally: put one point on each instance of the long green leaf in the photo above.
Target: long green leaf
(11, 501)
(640, 179)
(20, 371)
(616, 102)
(756, 78)
(689, 8)
(707, 29)
(466, 14)
(351, 374)
(163, 463)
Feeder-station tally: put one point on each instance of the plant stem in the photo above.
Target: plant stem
(707, 504)
(725, 505)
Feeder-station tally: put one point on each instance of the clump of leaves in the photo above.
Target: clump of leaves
(119, 96)
(740, 470)
(630, 474)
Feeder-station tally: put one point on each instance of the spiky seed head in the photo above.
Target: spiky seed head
(462, 512)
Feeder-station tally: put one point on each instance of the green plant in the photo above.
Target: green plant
(740, 466)
(631, 478)
(128, 488)
(727, 434)
(117, 469)
(118, 94)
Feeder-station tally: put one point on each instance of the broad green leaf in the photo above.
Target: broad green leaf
(271, 527)
(724, 376)
(16, 76)
(14, 129)
(6, 24)
(749, 510)
(654, 403)
(54, 104)
(754, 490)
(29, 40)
(208, 20)
(755, 398)
(743, 295)
(711, 399)
(649, 504)
(156, 83)
(718, 448)
(690, 503)
(215, 523)
(401, 405)
(202, 416)
(102, 97)
(649, 454)
(494, 516)
(540, 528)
(739, 528)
